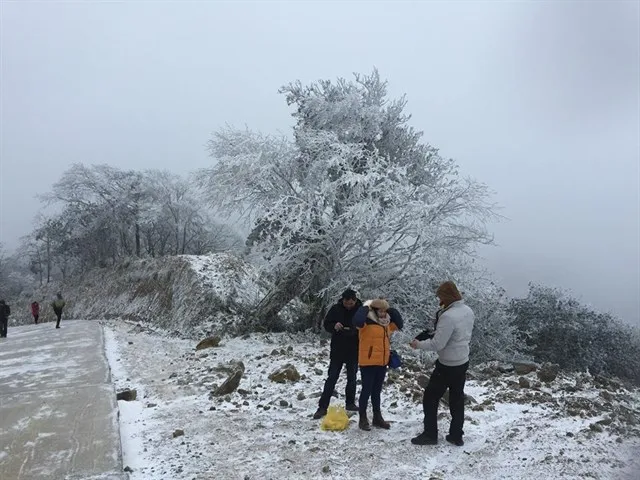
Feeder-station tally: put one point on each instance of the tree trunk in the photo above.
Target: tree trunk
(284, 291)
(48, 259)
(184, 239)
(137, 239)
(311, 276)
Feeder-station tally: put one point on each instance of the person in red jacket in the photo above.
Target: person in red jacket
(35, 311)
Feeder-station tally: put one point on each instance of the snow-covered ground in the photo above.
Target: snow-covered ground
(264, 429)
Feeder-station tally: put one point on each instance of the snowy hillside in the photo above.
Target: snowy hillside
(517, 427)
(191, 295)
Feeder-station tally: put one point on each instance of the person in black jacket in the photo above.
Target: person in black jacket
(344, 351)
(5, 311)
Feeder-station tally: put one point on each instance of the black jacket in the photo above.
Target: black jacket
(5, 311)
(343, 341)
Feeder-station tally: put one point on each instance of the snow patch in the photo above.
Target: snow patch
(264, 429)
(228, 277)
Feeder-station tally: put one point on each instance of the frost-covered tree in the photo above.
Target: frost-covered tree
(13, 274)
(102, 203)
(174, 220)
(106, 214)
(355, 198)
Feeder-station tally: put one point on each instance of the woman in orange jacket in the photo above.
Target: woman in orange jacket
(375, 322)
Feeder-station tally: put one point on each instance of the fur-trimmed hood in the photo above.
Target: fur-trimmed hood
(378, 304)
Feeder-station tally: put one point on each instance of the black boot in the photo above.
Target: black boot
(351, 407)
(456, 441)
(321, 412)
(424, 439)
(380, 422)
(363, 424)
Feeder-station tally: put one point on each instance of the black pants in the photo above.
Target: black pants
(335, 367)
(35, 317)
(3, 326)
(59, 315)
(444, 377)
(372, 381)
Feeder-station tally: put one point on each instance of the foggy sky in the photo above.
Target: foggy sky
(539, 100)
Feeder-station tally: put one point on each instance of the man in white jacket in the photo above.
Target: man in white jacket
(451, 341)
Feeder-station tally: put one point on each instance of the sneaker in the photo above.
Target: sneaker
(423, 439)
(456, 441)
(351, 407)
(321, 412)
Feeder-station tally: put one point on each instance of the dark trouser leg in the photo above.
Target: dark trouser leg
(335, 366)
(367, 374)
(380, 373)
(352, 373)
(457, 379)
(432, 394)
(35, 317)
(3, 327)
(59, 315)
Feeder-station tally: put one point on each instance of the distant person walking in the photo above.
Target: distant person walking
(5, 311)
(35, 311)
(58, 304)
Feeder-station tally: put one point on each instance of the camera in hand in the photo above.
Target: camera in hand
(425, 335)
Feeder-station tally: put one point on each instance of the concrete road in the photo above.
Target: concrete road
(58, 409)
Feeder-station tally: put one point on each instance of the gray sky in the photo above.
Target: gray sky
(540, 100)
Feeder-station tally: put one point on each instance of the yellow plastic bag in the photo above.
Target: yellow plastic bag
(336, 419)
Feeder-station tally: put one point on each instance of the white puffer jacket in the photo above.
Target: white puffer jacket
(453, 334)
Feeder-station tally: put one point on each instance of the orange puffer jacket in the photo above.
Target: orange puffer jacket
(374, 345)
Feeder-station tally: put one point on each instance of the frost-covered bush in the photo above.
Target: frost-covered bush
(560, 329)
(495, 336)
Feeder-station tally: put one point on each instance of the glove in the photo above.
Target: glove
(426, 335)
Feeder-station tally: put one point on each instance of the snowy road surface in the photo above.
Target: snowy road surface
(58, 415)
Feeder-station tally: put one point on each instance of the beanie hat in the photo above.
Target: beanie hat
(448, 293)
(349, 294)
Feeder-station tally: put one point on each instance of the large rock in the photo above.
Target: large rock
(601, 381)
(487, 373)
(548, 372)
(286, 373)
(138, 329)
(606, 395)
(231, 383)
(523, 368)
(208, 342)
(505, 368)
(127, 395)
(423, 381)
